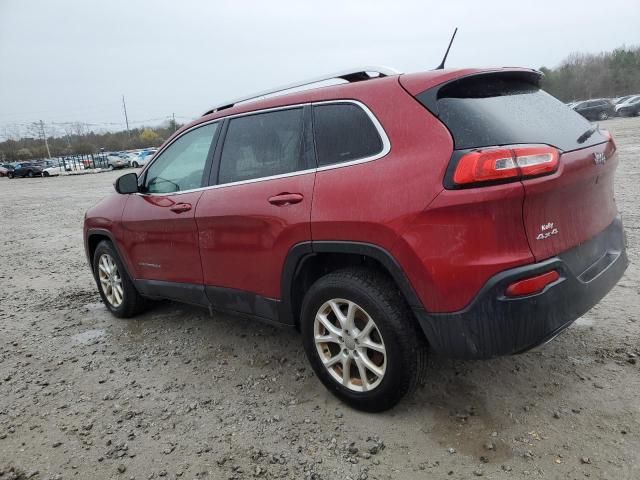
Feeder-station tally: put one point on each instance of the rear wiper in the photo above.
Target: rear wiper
(586, 135)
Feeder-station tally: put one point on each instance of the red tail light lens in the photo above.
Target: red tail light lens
(531, 285)
(496, 164)
(612, 143)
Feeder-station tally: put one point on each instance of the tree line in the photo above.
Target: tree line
(582, 76)
(79, 140)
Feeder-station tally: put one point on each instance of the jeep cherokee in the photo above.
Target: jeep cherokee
(463, 212)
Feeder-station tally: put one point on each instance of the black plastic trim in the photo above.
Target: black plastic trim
(103, 233)
(493, 324)
(244, 303)
(181, 292)
(215, 163)
(302, 251)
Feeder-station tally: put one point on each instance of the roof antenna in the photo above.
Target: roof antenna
(444, 59)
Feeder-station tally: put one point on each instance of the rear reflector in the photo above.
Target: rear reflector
(505, 164)
(531, 285)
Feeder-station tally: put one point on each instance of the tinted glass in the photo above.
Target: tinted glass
(344, 132)
(491, 110)
(262, 145)
(181, 165)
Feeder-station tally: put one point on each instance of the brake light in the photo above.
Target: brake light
(531, 285)
(504, 164)
(612, 144)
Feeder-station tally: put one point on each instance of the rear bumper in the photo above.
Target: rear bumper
(493, 325)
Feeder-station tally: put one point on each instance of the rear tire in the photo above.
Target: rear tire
(114, 285)
(135, 165)
(30, 174)
(377, 378)
(10, 175)
(45, 174)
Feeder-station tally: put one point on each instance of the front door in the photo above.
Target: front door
(260, 208)
(160, 232)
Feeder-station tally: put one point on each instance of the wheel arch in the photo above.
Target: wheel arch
(93, 238)
(308, 261)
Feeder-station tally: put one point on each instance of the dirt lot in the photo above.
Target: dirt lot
(176, 393)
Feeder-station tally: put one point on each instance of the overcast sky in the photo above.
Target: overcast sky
(71, 60)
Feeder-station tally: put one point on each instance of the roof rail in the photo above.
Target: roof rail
(351, 75)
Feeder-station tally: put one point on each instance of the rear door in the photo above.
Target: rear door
(259, 208)
(161, 235)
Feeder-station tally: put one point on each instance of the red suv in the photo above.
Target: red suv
(463, 212)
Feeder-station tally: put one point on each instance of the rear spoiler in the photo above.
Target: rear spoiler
(461, 86)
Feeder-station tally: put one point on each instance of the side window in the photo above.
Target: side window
(344, 132)
(181, 166)
(262, 145)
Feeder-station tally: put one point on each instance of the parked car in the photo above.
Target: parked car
(4, 169)
(51, 168)
(142, 158)
(598, 109)
(621, 99)
(630, 107)
(384, 217)
(115, 160)
(25, 169)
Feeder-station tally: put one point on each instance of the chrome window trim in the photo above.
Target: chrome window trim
(386, 143)
(386, 147)
(162, 150)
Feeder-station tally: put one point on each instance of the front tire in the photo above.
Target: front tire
(603, 115)
(135, 165)
(116, 288)
(45, 174)
(361, 339)
(30, 174)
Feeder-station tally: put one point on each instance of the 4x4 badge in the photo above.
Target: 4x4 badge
(599, 158)
(547, 230)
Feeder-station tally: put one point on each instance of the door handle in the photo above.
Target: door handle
(285, 199)
(180, 207)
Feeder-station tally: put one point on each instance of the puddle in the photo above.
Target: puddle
(88, 336)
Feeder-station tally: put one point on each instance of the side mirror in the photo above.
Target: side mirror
(127, 183)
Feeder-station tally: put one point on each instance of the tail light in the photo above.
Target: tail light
(505, 164)
(612, 144)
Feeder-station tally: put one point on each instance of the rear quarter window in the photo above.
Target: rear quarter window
(344, 132)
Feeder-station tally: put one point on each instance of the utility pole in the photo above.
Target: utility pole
(126, 119)
(175, 126)
(44, 135)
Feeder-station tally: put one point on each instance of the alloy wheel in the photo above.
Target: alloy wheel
(350, 345)
(110, 280)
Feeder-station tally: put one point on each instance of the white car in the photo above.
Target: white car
(142, 158)
(51, 169)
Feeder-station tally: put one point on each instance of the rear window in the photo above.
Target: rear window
(344, 132)
(504, 109)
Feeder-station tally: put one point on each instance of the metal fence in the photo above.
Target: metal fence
(82, 162)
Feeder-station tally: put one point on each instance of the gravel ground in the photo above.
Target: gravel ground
(176, 393)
